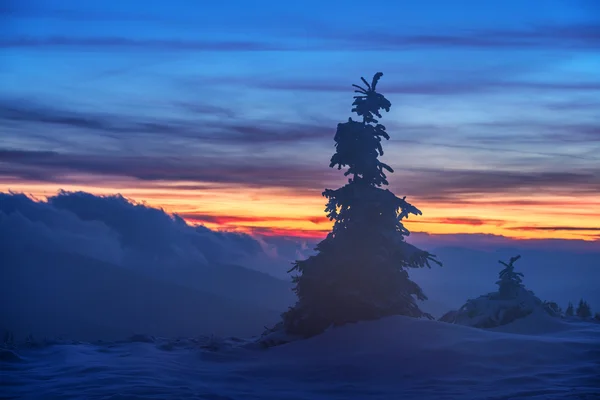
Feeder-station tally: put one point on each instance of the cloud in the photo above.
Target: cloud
(143, 132)
(240, 220)
(20, 112)
(570, 105)
(123, 43)
(556, 228)
(569, 37)
(320, 220)
(438, 184)
(223, 131)
(436, 87)
(27, 225)
(158, 150)
(55, 167)
(489, 242)
(580, 36)
(313, 234)
(448, 183)
(460, 221)
(116, 230)
(206, 109)
(489, 144)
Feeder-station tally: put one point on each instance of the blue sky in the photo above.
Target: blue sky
(494, 97)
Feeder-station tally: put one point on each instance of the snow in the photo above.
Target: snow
(537, 357)
(494, 309)
(537, 323)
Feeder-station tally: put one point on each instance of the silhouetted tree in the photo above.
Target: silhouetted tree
(510, 281)
(570, 310)
(359, 271)
(597, 316)
(583, 309)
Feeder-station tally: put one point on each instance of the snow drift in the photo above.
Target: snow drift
(511, 302)
(491, 310)
(396, 357)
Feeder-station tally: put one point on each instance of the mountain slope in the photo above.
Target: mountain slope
(48, 293)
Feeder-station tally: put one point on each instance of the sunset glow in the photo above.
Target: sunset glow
(494, 122)
(277, 212)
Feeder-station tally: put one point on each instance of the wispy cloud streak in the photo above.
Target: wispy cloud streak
(581, 36)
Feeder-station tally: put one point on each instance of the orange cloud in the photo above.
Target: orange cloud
(461, 221)
(286, 212)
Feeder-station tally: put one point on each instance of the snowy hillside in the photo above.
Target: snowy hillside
(491, 310)
(537, 357)
(64, 294)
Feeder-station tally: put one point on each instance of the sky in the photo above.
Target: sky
(224, 112)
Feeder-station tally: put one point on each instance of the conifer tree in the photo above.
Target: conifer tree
(570, 310)
(359, 271)
(583, 309)
(510, 281)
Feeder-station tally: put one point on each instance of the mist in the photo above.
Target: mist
(88, 267)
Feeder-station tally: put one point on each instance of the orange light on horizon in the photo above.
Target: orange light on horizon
(282, 212)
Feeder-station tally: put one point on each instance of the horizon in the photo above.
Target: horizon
(229, 122)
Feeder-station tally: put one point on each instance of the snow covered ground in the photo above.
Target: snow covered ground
(537, 357)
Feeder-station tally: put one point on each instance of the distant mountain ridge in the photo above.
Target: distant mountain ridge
(48, 293)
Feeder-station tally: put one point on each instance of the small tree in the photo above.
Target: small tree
(510, 281)
(570, 310)
(597, 316)
(583, 309)
(359, 272)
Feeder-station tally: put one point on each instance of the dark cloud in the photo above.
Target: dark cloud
(26, 116)
(206, 109)
(580, 36)
(320, 220)
(575, 136)
(573, 105)
(481, 241)
(241, 220)
(459, 221)
(527, 202)
(56, 167)
(227, 130)
(436, 87)
(279, 173)
(556, 228)
(578, 134)
(537, 133)
(18, 112)
(230, 161)
(123, 43)
(447, 183)
(313, 234)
